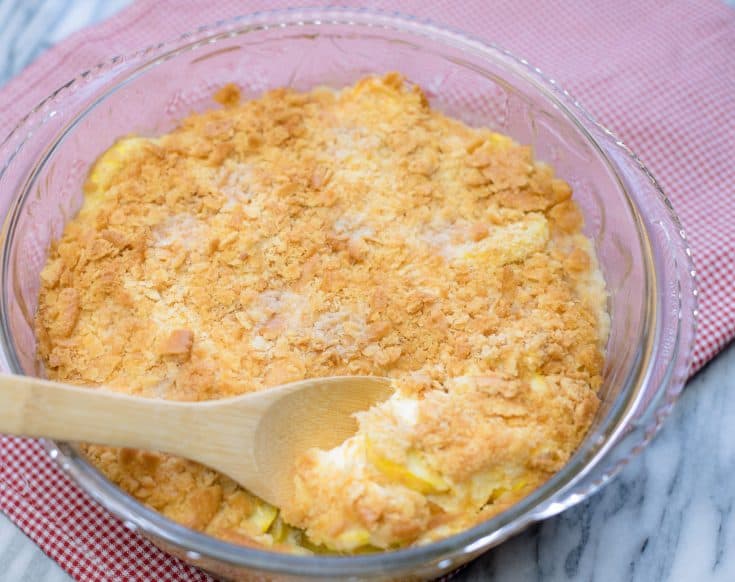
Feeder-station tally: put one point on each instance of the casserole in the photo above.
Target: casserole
(641, 247)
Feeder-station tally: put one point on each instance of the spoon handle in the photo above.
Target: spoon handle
(41, 408)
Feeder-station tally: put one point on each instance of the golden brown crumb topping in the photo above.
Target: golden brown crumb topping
(328, 233)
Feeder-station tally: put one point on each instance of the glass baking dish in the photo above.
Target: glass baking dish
(640, 243)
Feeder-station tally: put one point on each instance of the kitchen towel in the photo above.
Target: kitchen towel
(660, 74)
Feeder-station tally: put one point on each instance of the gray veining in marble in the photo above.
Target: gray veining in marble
(667, 517)
(29, 27)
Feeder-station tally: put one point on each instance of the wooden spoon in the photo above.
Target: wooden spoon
(255, 438)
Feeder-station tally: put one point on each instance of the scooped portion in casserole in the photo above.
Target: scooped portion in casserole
(356, 231)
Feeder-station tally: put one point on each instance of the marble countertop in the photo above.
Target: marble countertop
(667, 517)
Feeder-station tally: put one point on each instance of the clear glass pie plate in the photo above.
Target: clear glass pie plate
(640, 243)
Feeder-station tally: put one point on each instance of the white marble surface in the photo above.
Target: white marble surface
(667, 517)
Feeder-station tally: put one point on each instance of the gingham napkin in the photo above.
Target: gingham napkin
(660, 74)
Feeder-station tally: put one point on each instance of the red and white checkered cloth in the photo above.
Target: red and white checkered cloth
(660, 74)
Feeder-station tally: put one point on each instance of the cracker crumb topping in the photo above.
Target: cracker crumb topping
(328, 233)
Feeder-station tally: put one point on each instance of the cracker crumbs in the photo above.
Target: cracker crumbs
(334, 233)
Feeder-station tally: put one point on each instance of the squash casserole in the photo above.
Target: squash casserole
(336, 232)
